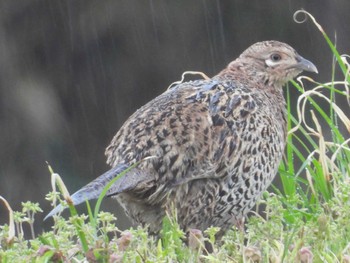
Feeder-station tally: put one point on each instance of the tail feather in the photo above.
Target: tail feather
(93, 190)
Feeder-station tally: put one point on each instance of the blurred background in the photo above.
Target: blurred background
(72, 71)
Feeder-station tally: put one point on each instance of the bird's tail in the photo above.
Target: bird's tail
(93, 189)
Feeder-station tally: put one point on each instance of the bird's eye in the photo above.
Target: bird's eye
(275, 57)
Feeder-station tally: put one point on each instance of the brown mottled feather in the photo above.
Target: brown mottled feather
(215, 144)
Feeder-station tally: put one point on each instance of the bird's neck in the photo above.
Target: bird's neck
(251, 73)
(255, 77)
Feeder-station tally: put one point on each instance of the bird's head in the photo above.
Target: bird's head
(274, 62)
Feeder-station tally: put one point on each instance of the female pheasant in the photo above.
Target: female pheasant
(215, 145)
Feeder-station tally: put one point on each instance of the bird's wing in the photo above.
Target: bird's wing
(189, 130)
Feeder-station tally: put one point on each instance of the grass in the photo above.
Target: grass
(307, 219)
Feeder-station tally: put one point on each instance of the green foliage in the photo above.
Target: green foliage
(317, 153)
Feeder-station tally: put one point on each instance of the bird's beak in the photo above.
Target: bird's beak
(305, 64)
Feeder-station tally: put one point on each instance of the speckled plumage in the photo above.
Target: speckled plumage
(215, 144)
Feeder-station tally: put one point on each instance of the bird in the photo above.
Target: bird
(207, 148)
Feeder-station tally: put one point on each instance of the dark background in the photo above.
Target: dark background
(72, 71)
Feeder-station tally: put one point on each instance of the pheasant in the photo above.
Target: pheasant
(214, 145)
